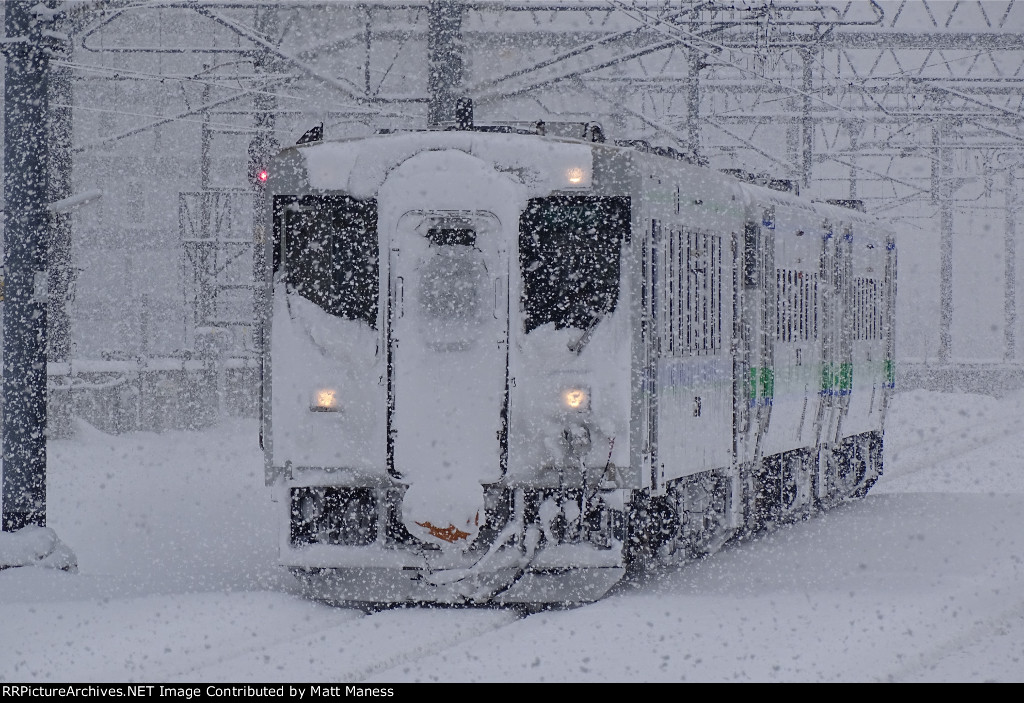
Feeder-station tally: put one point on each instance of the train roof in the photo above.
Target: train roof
(359, 165)
(848, 212)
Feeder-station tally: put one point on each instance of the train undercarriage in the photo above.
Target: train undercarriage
(547, 547)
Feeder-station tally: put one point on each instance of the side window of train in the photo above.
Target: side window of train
(328, 246)
(867, 307)
(697, 313)
(569, 257)
(750, 232)
(796, 316)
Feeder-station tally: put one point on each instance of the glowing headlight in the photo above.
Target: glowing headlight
(325, 400)
(575, 175)
(576, 398)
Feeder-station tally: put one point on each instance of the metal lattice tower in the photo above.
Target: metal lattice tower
(913, 106)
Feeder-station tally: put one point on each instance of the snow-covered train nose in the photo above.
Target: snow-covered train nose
(448, 218)
(445, 513)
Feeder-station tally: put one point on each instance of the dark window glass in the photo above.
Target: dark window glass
(453, 278)
(451, 236)
(569, 257)
(701, 276)
(330, 252)
(750, 255)
(867, 309)
(796, 305)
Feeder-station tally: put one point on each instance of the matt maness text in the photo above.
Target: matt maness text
(190, 692)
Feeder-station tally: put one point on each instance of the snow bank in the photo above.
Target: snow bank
(35, 546)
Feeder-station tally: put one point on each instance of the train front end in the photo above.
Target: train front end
(446, 403)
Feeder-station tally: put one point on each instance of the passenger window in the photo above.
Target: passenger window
(796, 313)
(701, 281)
(453, 276)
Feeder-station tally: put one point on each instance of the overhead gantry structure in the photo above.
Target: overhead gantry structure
(913, 106)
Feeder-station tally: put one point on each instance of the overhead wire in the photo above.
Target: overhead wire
(193, 79)
(183, 117)
(694, 41)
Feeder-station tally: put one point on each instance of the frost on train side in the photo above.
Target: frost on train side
(326, 355)
(571, 352)
(328, 403)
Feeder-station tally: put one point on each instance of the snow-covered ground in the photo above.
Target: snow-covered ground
(175, 539)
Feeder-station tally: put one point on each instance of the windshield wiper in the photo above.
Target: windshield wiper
(584, 339)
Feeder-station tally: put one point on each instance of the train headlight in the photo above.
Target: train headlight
(576, 398)
(325, 400)
(575, 175)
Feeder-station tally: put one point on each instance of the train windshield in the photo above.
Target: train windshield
(453, 275)
(329, 247)
(569, 257)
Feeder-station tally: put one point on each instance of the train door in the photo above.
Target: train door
(825, 417)
(653, 312)
(865, 305)
(756, 338)
(449, 360)
(843, 362)
(837, 344)
(888, 327)
(446, 219)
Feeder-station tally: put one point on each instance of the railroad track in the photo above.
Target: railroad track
(357, 648)
(905, 459)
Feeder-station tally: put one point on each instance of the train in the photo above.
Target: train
(519, 364)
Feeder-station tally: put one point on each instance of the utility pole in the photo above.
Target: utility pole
(61, 269)
(26, 164)
(942, 194)
(807, 118)
(445, 50)
(694, 62)
(1010, 271)
(261, 149)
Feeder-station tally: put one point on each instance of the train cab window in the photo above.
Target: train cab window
(453, 275)
(329, 248)
(452, 236)
(569, 249)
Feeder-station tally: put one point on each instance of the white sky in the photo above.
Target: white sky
(176, 542)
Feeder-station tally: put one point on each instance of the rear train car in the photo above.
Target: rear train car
(507, 368)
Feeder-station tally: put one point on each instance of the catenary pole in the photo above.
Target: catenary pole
(26, 163)
(1010, 269)
(261, 149)
(445, 55)
(61, 278)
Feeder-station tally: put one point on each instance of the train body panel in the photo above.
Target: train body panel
(684, 241)
(508, 368)
(792, 358)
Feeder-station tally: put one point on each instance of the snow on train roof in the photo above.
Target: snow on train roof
(760, 195)
(359, 166)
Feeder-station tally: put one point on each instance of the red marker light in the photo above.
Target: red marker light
(262, 176)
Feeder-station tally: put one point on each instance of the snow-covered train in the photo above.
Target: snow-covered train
(512, 367)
